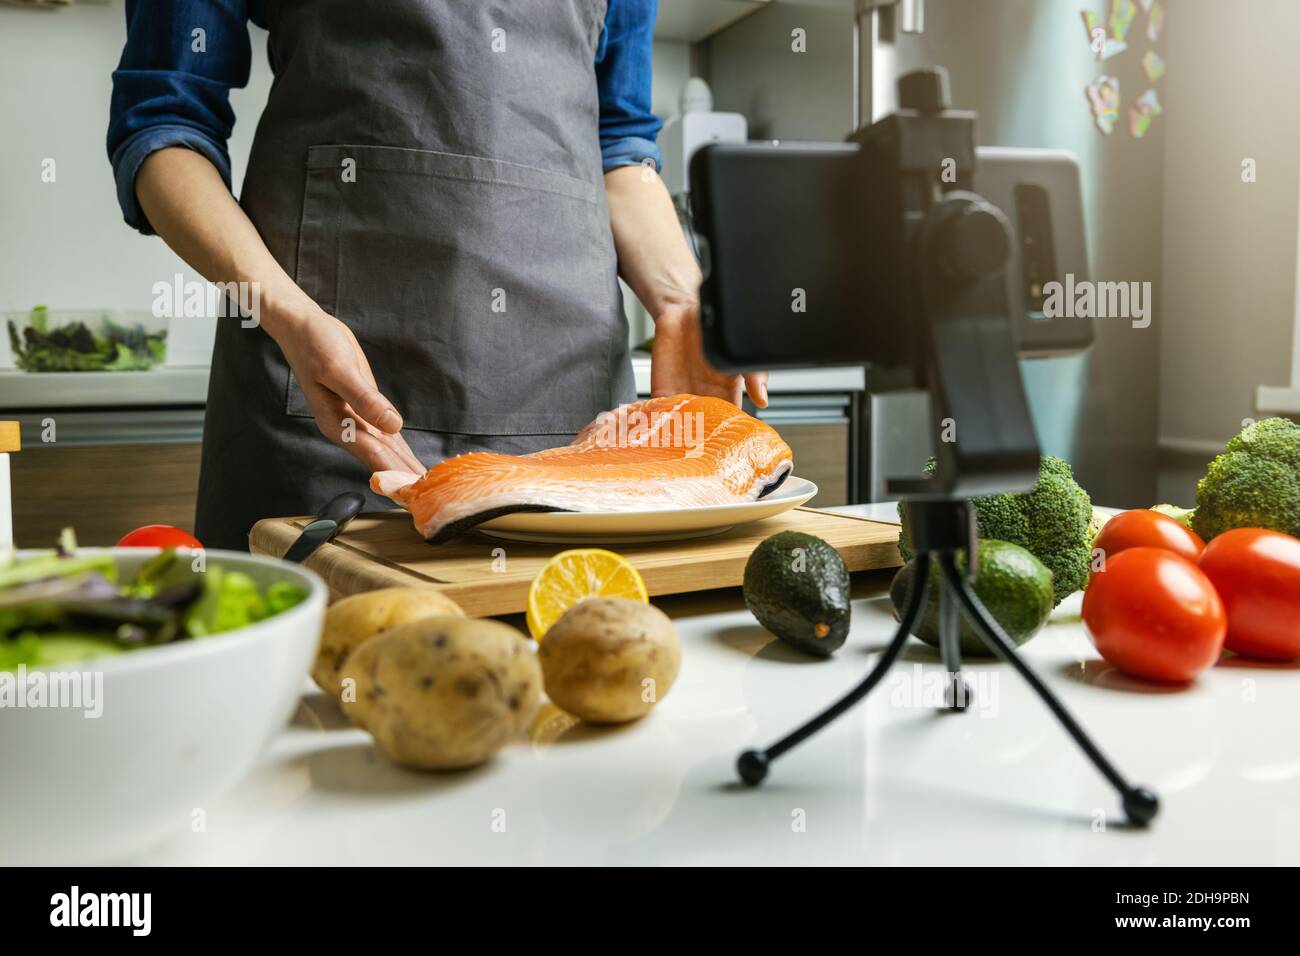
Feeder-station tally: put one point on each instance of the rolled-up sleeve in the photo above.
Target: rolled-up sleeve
(172, 87)
(628, 127)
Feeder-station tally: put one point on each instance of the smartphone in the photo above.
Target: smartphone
(783, 248)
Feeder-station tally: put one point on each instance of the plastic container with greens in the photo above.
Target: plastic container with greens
(46, 340)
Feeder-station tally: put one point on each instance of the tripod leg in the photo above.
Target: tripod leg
(1140, 804)
(957, 695)
(752, 764)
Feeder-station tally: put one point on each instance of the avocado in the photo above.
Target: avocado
(798, 587)
(1013, 585)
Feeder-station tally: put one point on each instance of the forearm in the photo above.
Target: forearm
(188, 205)
(654, 258)
(656, 261)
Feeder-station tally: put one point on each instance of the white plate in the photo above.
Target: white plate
(674, 524)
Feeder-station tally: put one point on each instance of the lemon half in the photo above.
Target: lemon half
(573, 576)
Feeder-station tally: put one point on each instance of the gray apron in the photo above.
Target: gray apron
(429, 172)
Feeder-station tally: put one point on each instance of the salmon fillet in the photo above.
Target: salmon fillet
(679, 452)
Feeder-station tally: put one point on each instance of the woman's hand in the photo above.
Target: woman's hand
(677, 362)
(336, 380)
(188, 204)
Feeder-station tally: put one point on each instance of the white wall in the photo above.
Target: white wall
(1229, 247)
(672, 68)
(63, 244)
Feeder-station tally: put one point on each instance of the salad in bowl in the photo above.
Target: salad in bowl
(64, 607)
(137, 686)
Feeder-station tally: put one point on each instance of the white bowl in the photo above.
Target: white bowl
(181, 725)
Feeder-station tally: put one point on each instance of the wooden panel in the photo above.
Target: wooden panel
(384, 550)
(821, 454)
(103, 491)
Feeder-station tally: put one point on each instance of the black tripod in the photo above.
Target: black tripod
(940, 528)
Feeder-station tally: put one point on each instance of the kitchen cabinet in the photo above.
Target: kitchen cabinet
(106, 490)
(104, 474)
(820, 430)
(115, 467)
(103, 491)
(821, 452)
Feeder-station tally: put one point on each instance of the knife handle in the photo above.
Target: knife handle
(329, 521)
(342, 508)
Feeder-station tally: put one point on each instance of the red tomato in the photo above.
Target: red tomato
(1155, 615)
(159, 536)
(1148, 529)
(1257, 573)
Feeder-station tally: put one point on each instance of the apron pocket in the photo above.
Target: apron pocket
(484, 293)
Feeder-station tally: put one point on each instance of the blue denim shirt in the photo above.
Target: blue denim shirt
(166, 95)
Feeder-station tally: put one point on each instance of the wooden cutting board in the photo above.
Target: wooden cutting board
(489, 576)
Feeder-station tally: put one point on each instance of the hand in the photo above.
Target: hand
(677, 362)
(337, 382)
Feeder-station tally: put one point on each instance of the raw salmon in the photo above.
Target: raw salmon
(679, 452)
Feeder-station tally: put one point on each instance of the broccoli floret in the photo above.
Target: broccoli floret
(1053, 522)
(1182, 515)
(1255, 483)
(1099, 519)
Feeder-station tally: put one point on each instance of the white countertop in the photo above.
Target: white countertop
(165, 386)
(890, 783)
(848, 379)
(188, 385)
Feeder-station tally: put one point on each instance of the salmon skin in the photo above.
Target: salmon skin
(684, 451)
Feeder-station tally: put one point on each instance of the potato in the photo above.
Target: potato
(608, 660)
(443, 692)
(354, 620)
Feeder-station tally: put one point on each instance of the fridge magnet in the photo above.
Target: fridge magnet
(1150, 102)
(1090, 21)
(1145, 108)
(1103, 97)
(1153, 64)
(1096, 32)
(1103, 46)
(1138, 123)
(1113, 47)
(1155, 22)
(1122, 13)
